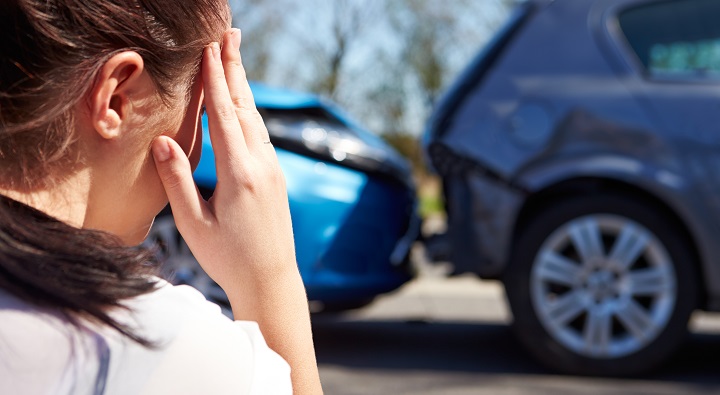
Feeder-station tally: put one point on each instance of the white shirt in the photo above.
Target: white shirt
(199, 351)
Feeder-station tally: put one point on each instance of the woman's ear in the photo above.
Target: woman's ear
(110, 97)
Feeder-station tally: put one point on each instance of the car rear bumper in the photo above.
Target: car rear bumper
(481, 206)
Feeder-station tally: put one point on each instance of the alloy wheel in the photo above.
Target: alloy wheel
(603, 286)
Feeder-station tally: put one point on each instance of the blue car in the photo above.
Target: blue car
(352, 201)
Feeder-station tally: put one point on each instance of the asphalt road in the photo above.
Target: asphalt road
(451, 336)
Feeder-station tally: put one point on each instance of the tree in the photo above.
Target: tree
(346, 21)
(388, 60)
(440, 37)
(262, 24)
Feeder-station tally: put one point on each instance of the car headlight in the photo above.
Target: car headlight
(317, 134)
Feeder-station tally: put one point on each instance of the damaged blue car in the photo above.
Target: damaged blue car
(352, 202)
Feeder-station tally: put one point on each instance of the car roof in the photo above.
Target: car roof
(280, 98)
(287, 99)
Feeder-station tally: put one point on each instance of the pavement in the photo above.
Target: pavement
(451, 336)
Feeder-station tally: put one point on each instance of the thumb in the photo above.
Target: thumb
(175, 172)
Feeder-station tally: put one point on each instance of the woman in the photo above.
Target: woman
(100, 106)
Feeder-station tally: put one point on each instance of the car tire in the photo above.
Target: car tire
(609, 314)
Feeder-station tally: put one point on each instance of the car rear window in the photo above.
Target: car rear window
(678, 38)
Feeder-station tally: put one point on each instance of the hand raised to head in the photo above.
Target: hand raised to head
(245, 226)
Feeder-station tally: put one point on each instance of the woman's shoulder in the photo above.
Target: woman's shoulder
(169, 303)
(198, 349)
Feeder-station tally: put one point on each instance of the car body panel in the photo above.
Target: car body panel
(545, 114)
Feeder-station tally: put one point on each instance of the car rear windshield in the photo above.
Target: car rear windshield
(678, 38)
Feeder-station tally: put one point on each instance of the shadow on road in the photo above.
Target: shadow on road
(469, 347)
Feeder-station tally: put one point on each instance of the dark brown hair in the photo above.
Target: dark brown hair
(50, 56)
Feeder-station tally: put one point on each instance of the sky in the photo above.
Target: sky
(299, 30)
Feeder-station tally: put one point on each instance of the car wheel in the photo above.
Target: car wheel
(179, 264)
(601, 285)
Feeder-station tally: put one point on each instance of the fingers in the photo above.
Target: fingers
(225, 131)
(176, 175)
(240, 92)
(242, 98)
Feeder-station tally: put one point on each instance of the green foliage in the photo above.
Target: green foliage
(431, 203)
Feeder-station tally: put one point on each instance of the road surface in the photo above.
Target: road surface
(451, 337)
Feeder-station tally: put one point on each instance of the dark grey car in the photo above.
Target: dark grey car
(580, 156)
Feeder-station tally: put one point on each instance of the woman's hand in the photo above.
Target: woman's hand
(242, 236)
(245, 227)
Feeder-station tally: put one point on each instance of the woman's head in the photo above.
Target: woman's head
(85, 85)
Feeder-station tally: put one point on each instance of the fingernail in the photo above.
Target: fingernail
(236, 35)
(215, 50)
(161, 150)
